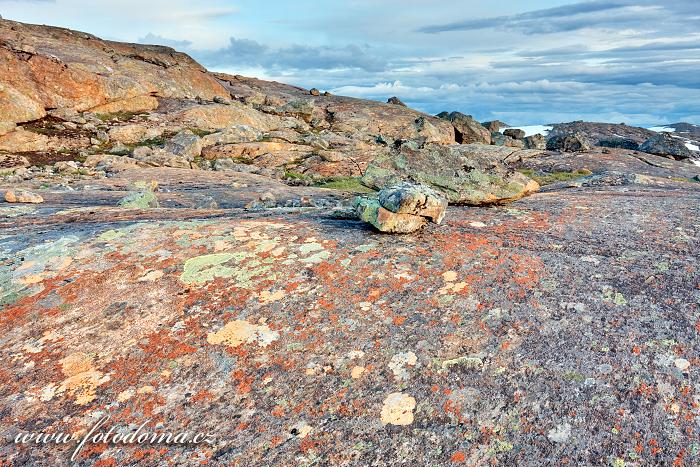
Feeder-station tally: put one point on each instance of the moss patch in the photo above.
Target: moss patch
(547, 178)
(121, 116)
(345, 184)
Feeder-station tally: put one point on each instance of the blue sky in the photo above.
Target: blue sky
(542, 61)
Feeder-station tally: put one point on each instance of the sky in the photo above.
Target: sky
(522, 62)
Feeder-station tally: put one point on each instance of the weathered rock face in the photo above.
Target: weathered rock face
(88, 73)
(596, 132)
(468, 130)
(561, 329)
(666, 145)
(569, 143)
(471, 174)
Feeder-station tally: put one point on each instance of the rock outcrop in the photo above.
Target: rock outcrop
(472, 174)
(46, 68)
(467, 130)
(395, 101)
(664, 144)
(569, 143)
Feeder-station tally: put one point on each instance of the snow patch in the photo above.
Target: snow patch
(662, 129)
(692, 146)
(532, 129)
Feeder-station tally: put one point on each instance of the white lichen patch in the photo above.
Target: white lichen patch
(398, 409)
(399, 362)
(560, 433)
(241, 332)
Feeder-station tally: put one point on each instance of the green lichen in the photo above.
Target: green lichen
(110, 235)
(139, 200)
(244, 269)
(353, 184)
(205, 268)
(547, 178)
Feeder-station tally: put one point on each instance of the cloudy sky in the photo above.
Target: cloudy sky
(540, 61)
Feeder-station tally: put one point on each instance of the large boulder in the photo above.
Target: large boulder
(472, 174)
(185, 144)
(536, 142)
(22, 140)
(666, 145)
(576, 142)
(620, 143)
(468, 130)
(494, 126)
(418, 200)
(371, 211)
(514, 133)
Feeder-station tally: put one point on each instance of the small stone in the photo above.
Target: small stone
(22, 196)
(222, 100)
(314, 92)
(268, 200)
(66, 167)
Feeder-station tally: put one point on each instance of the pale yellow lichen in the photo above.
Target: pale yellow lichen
(449, 276)
(240, 332)
(82, 378)
(357, 372)
(398, 409)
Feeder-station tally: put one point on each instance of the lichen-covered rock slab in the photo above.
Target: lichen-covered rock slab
(472, 174)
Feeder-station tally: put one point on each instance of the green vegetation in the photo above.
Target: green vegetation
(684, 179)
(153, 142)
(345, 184)
(121, 116)
(289, 175)
(547, 178)
(199, 132)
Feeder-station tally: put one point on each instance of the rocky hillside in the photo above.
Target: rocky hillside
(188, 250)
